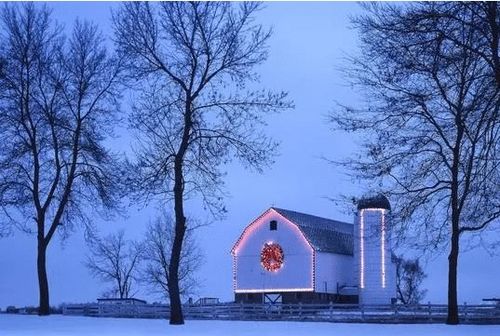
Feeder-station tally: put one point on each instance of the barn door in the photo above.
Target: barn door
(272, 302)
(272, 298)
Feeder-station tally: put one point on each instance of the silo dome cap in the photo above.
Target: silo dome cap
(378, 201)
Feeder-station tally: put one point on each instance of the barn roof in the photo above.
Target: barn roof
(325, 235)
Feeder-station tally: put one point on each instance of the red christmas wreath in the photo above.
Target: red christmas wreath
(272, 257)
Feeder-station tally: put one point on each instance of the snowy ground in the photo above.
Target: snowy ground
(13, 325)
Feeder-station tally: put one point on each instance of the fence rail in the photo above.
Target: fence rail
(424, 313)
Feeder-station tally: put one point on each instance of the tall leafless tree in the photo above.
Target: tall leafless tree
(157, 248)
(116, 260)
(409, 278)
(57, 103)
(195, 62)
(482, 18)
(431, 124)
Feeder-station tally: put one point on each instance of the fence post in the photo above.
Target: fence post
(465, 311)
(241, 310)
(300, 309)
(331, 310)
(362, 311)
(396, 312)
(429, 307)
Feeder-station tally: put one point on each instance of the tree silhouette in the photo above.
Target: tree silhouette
(195, 113)
(116, 260)
(431, 123)
(57, 103)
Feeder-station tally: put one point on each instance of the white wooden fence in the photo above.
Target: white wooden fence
(423, 313)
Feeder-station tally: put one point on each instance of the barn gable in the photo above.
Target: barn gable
(296, 270)
(257, 221)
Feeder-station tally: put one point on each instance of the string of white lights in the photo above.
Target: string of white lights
(382, 246)
(362, 248)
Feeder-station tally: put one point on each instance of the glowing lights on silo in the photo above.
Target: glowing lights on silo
(383, 252)
(362, 249)
(382, 246)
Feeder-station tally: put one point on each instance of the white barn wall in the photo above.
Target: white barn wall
(332, 269)
(296, 272)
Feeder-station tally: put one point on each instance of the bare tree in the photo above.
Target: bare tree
(409, 278)
(57, 103)
(432, 127)
(157, 248)
(194, 62)
(481, 18)
(116, 260)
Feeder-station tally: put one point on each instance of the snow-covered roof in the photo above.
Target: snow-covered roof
(325, 235)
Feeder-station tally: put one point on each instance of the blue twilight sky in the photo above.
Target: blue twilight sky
(306, 52)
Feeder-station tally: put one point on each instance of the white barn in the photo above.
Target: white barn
(288, 256)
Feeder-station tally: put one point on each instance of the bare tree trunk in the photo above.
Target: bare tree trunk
(455, 235)
(176, 316)
(452, 281)
(44, 305)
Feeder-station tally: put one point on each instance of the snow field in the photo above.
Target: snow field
(58, 325)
